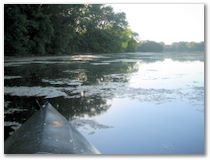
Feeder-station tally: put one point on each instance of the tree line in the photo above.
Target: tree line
(58, 29)
(152, 46)
(185, 46)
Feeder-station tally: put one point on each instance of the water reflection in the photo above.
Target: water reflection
(147, 101)
(170, 128)
(80, 107)
(89, 126)
(167, 74)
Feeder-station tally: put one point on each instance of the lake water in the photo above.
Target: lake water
(128, 103)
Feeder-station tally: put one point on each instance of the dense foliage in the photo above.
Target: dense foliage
(41, 29)
(150, 46)
(46, 29)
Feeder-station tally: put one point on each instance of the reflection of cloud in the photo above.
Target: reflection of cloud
(168, 147)
(91, 123)
(88, 125)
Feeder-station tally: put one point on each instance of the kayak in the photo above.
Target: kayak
(47, 131)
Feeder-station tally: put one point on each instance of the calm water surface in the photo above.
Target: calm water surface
(129, 103)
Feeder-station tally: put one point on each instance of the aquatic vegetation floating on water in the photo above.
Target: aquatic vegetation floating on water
(110, 90)
(63, 82)
(12, 110)
(100, 63)
(47, 92)
(12, 77)
(13, 125)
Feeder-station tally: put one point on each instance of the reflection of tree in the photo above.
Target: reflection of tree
(100, 73)
(77, 104)
(32, 74)
(80, 106)
(69, 108)
(90, 123)
(17, 111)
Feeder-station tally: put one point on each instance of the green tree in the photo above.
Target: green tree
(150, 46)
(185, 46)
(15, 30)
(41, 29)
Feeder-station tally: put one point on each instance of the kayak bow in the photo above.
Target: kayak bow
(47, 131)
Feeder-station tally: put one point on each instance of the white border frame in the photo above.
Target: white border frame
(43, 157)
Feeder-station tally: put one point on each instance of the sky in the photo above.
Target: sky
(165, 22)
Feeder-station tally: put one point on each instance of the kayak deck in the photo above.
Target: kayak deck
(47, 131)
